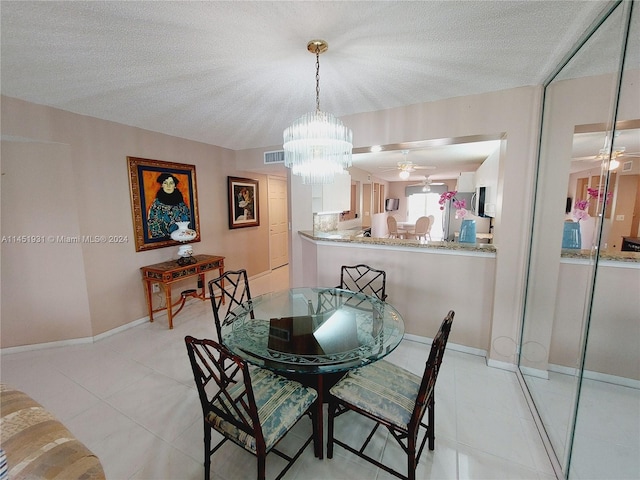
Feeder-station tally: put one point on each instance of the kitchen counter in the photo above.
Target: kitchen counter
(351, 236)
(629, 257)
(348, 236)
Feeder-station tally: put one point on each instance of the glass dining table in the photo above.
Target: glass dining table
(313, 335)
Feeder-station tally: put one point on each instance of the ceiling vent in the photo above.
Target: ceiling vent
(274, 157)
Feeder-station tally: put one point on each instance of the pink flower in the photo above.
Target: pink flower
(580, 209)
(461, 212)
(459, 204)
(445, 197)
(596, 193)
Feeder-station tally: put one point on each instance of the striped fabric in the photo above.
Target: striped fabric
(37, 445)
(280, 402)
(4, 475)
(382, 389)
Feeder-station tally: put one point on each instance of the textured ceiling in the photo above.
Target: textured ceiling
(235, 74)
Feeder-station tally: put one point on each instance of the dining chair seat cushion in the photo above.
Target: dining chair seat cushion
(280, 403)
(382, 389)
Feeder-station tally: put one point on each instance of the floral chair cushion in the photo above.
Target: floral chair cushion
(280, 402)
(382, 389)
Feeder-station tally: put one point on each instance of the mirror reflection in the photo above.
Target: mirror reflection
(579, 357)
(593, 154)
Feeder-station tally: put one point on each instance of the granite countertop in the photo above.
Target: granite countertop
(351, 236)
(631, 257)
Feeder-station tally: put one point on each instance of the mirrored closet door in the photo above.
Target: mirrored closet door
(579, 349)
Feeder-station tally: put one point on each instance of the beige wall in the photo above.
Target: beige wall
(614, 329)
(64, 172)
(422, 285)
(513, 112)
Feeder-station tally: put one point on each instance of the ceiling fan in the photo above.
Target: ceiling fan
(406, 167)
(426, 184)
(618, 153)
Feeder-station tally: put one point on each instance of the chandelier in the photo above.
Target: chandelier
(317, 145)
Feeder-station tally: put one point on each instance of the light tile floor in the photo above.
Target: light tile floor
(132, 400)
(606, 442)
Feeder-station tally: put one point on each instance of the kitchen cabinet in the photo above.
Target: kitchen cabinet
(332, 197)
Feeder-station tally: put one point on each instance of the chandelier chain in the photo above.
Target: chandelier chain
(317, 78)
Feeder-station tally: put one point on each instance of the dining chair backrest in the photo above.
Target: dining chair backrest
(422, 225)
(392, 226)
(232, 288)
(363, 278)
(431, 220)
(207, 358)
(431, 369)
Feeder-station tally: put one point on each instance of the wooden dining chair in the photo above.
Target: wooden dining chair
(395, 398)
(392, 226)
(232, 288)
(422, 228)
(363, 278)
(254, 412)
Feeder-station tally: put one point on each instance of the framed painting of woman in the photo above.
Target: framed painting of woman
(243, 202)
(162, 194)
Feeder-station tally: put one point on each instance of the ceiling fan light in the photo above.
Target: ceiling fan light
(613, 164)
(404, 174)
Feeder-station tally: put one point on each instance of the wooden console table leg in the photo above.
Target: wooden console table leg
(203, 295)
(149, 299)
(167, 293)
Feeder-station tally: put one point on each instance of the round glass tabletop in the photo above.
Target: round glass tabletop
(312, 330)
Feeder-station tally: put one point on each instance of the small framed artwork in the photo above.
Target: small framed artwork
(243, 202)
(162, 194)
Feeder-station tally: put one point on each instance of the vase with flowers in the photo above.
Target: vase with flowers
(572, 235)
(468, 226)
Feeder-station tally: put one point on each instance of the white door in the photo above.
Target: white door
(278, 222)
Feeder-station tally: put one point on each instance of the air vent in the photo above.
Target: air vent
(274, 157)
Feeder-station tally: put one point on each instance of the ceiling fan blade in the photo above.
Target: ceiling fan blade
(424, 167)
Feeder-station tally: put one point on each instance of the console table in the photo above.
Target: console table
(167, 273)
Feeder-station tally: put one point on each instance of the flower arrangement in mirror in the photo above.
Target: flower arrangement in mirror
(581, 206)
(580, 210)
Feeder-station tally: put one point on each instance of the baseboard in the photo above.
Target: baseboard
(597, 376)
(502, 365)
(535, 372)
(76, 341)
(450, 346)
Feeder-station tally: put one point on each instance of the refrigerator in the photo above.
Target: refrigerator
(451, 224)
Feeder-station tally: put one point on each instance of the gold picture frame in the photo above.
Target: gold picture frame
(162, 193)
